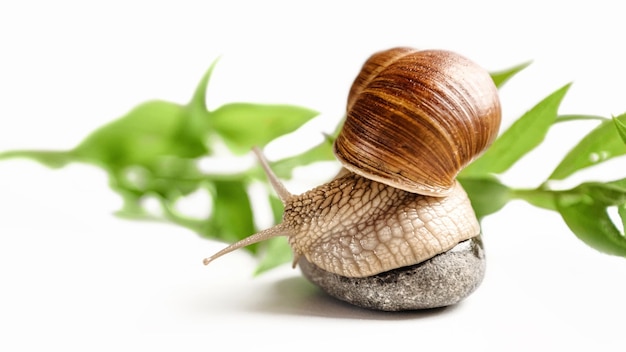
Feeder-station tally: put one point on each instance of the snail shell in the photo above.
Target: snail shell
(415, 119)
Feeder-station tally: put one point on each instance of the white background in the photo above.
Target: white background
(73, 276)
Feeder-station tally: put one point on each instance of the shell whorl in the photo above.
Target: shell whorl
(415, 119)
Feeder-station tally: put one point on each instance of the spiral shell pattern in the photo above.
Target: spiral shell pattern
(415, 119)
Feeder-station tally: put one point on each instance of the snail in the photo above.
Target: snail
(414, 120)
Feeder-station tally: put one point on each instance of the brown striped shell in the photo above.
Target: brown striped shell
(415, 119)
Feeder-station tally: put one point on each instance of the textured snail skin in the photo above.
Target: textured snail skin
(356, 227)
(415, 119)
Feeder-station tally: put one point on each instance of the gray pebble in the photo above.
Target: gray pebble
(443, 280)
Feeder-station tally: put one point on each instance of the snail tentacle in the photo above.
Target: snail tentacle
(275, 231)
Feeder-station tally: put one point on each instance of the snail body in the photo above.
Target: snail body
(361, 227)
(414, 120)
(357, 227)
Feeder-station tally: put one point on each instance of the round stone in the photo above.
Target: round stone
(440, 281)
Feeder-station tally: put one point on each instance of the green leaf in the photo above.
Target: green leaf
(195, 125)
(578, 117)
(277, 208)
(245, 125)
(51, 159)
(521, 137)
(501, 77)
(139, 137)
(487, 195)
(132, 207)
(172, 177)
(149, 131)
(620, 125)
(607, 194)
(277, 253)
(541, 198)
(621, 211)
(232, 218)
(601, 144)
(276, 250)
(590, 222)
(198, 100)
